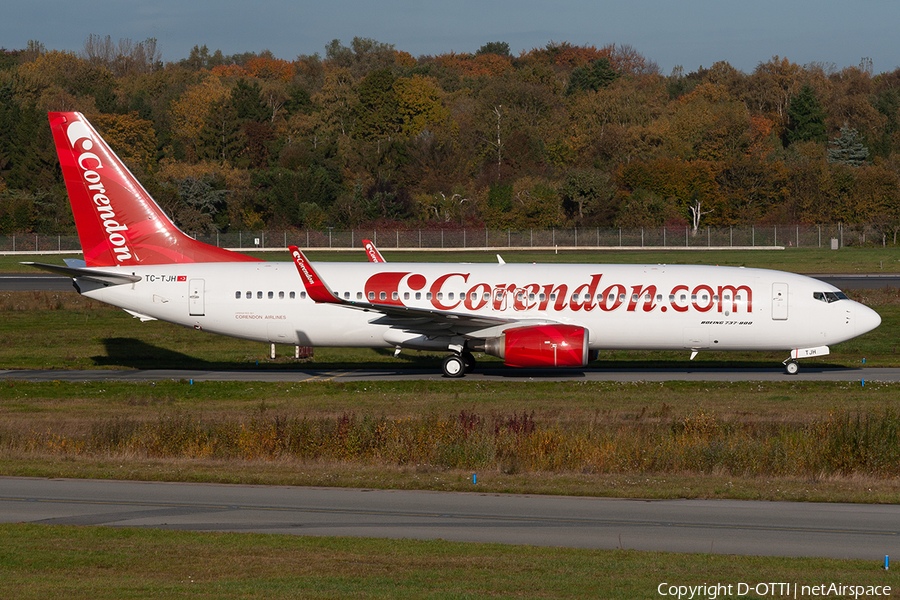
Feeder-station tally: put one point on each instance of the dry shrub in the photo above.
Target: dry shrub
(842, 443)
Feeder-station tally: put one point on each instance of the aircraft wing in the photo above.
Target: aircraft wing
(87, 274)
(423, 320)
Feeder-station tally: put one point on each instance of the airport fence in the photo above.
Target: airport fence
(759, 236)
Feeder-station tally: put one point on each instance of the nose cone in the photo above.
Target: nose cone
(866, 319)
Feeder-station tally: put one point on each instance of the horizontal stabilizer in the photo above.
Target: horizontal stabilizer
(104, 278)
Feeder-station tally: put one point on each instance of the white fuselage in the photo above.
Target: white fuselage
(622, 306)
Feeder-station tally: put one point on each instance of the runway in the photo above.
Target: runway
(715, 526)
(808, 372)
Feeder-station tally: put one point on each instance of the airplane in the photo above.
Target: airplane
(529, 315)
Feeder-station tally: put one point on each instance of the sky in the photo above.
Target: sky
(686, 33)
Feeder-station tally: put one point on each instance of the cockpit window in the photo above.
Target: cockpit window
(829, 297)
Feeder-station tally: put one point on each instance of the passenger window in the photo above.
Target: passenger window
(382, 295)
(359, 296)
(418, 295)
(406, 295)
(281, 295)
(292, 295)
(346, 295)
(237, 295)
(302, 295)
(259, 295)
(271, 295)
(395, 296)
(371, 295)
(248, 295)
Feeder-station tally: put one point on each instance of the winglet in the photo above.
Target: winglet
(372, 252)
(316, 289)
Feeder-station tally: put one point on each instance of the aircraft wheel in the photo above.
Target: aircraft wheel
(454, 366)
(791, 367)
(468, 361)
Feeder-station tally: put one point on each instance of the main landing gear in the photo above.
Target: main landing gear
(457, 365)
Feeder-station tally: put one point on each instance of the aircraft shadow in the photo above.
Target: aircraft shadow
(137, 354)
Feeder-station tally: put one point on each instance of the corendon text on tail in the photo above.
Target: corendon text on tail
(529, 315)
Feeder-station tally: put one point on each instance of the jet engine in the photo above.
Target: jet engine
(541, 346)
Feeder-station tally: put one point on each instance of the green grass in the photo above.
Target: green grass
(38, 562)
(798, 260)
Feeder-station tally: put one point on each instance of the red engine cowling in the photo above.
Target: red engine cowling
(541, 346)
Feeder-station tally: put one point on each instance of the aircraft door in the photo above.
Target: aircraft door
(779, 301)
(196, 296)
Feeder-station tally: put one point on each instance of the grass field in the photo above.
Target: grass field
(39, 562)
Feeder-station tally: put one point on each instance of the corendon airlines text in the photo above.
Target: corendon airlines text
(453, 291)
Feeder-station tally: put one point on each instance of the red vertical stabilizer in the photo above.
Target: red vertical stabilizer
(119, 224)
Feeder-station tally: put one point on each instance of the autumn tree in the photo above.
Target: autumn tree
(363, 56)
(771, 87)
(336, 103)
(131, 137)
(708, 124)
(377, 111)
(691, 185)
(190, 113)
(589, 192)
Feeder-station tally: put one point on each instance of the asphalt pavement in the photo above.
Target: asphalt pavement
(861, 531)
